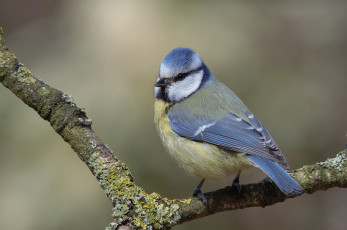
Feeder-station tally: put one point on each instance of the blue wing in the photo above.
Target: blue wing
(236, 134)
(231, 132)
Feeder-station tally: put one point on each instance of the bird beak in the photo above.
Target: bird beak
(162, 82)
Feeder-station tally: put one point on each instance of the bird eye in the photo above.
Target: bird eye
(180, 76)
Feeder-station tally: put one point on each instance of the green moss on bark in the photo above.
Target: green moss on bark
(133, 207)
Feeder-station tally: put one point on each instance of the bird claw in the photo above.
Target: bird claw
(197, 193)
(236, 183)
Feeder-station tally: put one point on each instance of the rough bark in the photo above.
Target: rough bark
(133, 207)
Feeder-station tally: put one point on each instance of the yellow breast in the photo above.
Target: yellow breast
(202, 160)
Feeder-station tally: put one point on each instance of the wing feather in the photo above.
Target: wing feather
(231, 132)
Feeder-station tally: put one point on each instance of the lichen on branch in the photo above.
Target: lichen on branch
(133, 207)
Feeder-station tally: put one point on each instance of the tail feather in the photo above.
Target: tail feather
(282, 179)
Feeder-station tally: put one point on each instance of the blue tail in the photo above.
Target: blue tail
(282, 179)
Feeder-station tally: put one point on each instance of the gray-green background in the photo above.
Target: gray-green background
(287, 60)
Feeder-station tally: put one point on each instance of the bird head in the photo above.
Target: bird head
(181, 74)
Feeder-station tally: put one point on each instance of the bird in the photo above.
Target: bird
(208, 130)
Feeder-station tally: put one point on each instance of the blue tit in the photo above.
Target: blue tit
(208, 130)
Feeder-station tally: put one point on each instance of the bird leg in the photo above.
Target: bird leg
(197, 192)
(236, 182)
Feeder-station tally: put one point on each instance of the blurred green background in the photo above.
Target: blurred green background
(285, 59)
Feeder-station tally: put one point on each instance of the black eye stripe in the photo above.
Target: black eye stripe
(182, 76)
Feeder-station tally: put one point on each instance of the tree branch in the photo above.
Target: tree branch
(133, 207)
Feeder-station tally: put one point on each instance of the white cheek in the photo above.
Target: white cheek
(182, 89)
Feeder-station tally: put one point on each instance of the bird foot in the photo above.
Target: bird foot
(236, 184)
(197, 193)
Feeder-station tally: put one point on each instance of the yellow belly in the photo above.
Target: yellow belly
(202, 160)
